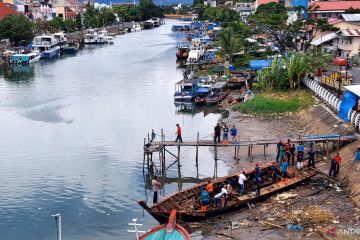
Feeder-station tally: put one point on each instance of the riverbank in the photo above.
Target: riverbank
(336, 206)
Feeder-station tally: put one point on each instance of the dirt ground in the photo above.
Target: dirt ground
(324, 208)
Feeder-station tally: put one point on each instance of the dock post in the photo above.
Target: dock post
(148, 138)
(327, 148)
(197, 151)
(338, 144)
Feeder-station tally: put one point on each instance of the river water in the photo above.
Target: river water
(72, 133)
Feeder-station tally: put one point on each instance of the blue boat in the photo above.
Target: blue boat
(169, 231)
(185, 90)
(47, 46)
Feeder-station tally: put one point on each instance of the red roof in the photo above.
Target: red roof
(5, 10)
(261, 2)
(335, 6)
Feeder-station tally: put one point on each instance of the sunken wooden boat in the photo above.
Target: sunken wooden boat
(187, 203)
(169, 231)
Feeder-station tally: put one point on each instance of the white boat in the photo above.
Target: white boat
(110, 40)
(135, 27)
(196, 50)
(156, 21)
(93, 37)
(60, 37)
(25, 57)
(47, 46)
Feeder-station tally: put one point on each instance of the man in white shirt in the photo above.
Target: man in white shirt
(242, 178)
(219, 195)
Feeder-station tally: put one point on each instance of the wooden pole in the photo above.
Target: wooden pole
(327, 148)
(148, 138)
(338, 144)
(197, 151)
(144, 156)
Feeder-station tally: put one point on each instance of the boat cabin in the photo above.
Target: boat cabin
(185, 90)
(218, 87)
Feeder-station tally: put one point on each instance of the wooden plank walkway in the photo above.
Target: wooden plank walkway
(157, 146)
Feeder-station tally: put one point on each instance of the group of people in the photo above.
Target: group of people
(225, 129)
(286, 152)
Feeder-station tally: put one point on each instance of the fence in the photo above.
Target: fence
(332, 101)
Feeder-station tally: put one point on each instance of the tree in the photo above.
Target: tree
(149, 9)
(199, 10)
(274, 76)
(16, 28)
(78, 21)
(228, 43)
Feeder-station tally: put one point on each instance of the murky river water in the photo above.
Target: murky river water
(72, 134)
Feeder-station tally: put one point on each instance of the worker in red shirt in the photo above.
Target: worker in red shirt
(338, 161)
(178, 133)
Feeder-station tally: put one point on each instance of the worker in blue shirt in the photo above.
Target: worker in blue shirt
(300, 150)
(233, 132)
(284, 170)
(204, 200)
(332, 167)
(257, 170)
(311, 156)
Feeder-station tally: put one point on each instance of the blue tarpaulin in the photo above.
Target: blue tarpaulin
(202, 90)
(348, 102)
(259, 64)
(322, 136)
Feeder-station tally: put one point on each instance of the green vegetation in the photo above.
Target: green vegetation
(16, 28)
(276, 102)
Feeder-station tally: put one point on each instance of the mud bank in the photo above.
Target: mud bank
(335, 203)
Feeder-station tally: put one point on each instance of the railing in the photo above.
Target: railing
(332, 101)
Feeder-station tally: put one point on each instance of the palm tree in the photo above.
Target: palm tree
(228, 43)
(291, 70)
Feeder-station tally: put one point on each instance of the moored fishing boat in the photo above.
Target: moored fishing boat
(185, 90)
(25, 57)
(218, 92)
(187, 202)
(46, 45)
(182, 50)
(172, 230)
(61, 39)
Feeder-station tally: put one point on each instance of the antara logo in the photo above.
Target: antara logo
(331, 232)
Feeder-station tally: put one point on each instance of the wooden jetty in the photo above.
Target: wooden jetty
(162, 147)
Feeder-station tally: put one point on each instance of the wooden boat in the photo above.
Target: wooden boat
(182, 50)
(187, 202)
(168, 231)
(217, 93)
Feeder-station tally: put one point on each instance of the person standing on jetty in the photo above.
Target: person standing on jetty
(287, 147)
(178, 133)
(300, 150)
(226, 134)
(155, 187)
(217, 133)
(233, 132)
(284, 170)
(204, 200)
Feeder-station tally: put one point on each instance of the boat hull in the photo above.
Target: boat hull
(51, 54)
(162, 217)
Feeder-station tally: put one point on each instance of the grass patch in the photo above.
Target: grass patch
(276, 102)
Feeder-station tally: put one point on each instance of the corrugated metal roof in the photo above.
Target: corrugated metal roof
(351, 17)
(335, 6)
(323, 39)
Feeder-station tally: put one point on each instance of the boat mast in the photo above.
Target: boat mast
(58, 225)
